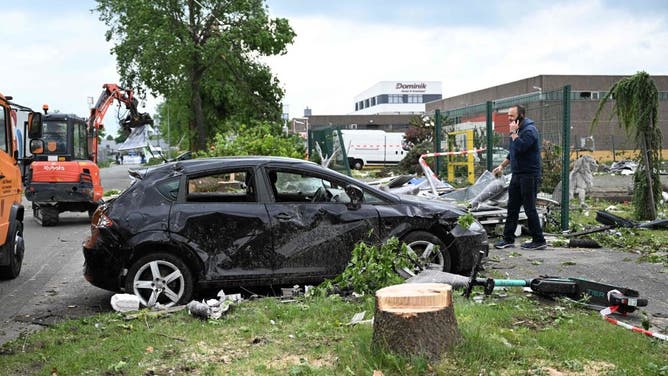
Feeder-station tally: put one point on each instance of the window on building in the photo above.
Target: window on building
(396, 98)
(663, 95)
(414, 98)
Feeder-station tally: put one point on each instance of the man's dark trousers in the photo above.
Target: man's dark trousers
(522, 191)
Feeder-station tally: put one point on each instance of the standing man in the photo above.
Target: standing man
(525, 165)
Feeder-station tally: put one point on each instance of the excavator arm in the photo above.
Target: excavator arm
(110, 93)
(113, 92)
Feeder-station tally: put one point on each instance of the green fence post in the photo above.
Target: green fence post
(437, 139)
(566, 156)
(490, 137)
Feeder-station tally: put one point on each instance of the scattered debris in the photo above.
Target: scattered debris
(125, 302)
(583, 243)
(582, 178)
(358, 318)
(212, 308)
(625, 167)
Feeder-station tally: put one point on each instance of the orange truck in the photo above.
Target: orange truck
(12, 247)
(62, 173)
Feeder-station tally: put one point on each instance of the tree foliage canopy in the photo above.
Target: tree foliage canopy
(201, 55)
(636, 105)
(257, 138)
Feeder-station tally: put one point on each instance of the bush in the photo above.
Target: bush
(257, 138)
(370, 268)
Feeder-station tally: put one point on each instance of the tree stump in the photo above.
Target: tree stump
(415, 319)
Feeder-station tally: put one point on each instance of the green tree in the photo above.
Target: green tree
(257, 138)
(636, 104)
(202, 54)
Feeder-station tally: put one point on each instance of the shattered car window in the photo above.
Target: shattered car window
(228, 186)
(291, 186)
(169, 188)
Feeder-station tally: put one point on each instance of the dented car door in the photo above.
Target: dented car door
(219, 216)
(314, 228)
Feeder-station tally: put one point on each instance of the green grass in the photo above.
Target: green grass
(514, 336)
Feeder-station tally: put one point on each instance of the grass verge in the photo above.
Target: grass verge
(511, 336)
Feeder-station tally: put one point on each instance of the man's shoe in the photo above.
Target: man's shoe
(535, 246)
(501, 244)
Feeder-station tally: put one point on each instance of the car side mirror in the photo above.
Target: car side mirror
(356, 195)
(34, 125)
(36, 146)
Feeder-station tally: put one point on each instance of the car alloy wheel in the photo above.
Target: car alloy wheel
(427, 252)
(160, 278)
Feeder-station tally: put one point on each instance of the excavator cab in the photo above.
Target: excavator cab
(63, 138)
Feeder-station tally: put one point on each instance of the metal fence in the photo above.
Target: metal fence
(325, 142)
(485, 124)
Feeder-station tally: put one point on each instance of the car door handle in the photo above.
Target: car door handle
(283, 216)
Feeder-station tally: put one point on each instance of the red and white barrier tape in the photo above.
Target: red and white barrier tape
(446, 153)
(610, 310)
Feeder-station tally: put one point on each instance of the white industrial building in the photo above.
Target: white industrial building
(397, 97)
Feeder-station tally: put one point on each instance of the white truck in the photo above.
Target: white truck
(373, 147)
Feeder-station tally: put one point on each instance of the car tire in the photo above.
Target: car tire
(146, 279)
(16, 246)
(422, 246)
(358, 164)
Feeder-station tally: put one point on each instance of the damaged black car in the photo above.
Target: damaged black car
(249, 221)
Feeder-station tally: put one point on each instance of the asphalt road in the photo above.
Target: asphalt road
(51, 288)
(620, 269)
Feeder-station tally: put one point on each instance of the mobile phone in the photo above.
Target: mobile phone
(519, 120)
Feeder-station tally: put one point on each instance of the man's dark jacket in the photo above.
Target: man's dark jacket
(524, 152)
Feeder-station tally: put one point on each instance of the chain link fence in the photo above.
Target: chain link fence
(485, 126)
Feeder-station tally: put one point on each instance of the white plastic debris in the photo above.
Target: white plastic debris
(124, 302)
(212, 308)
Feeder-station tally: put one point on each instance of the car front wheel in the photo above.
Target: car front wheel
(160, 278)
(427, 252)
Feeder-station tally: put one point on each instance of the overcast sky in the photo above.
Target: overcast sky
(54, 51)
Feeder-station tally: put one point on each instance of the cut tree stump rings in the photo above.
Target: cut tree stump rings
(415, 319)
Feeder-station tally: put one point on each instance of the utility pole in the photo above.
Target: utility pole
(169, 141)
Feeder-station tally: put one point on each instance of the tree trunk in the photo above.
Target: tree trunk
(650, 205)
(196, 98)
(415, 319)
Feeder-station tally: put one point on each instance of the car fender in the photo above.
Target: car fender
(145, 242)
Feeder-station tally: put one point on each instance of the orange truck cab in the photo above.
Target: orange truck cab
(12, 247)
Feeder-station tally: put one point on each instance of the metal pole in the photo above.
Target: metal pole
(437, 139)
(490, 137)
(565, 156)
(169, 140)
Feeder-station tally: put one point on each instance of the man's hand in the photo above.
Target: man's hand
(498, 170)
(514, 126)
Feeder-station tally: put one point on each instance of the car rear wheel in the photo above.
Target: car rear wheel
(160, 278)
(428, 252)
